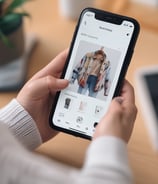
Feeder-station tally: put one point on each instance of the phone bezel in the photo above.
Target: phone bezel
(113, 18)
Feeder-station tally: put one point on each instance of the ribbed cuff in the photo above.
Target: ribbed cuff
(21, 124)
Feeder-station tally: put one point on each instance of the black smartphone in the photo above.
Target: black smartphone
(100, 52)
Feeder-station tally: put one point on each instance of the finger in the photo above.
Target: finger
(43, 86)
(115, 106)
(129, 100)
(109, 124)
(114, 111)
(55, 84)
(128, 92)
(55, 67)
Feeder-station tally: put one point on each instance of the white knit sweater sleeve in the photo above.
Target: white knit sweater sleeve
(21, 124)
(106, 162)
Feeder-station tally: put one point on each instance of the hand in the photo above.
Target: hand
(37, 94)
(120, 117)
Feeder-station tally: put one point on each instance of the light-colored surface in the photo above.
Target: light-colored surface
(71, 9)
(146, 103)
(54, 34)
(151, 2)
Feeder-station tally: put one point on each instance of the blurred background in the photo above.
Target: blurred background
(51, 26)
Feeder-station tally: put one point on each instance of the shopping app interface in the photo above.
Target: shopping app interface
(81, 107)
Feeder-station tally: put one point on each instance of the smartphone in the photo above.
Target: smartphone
(147, 91)
(100, 52)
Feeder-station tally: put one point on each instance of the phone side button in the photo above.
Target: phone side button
(130, 56)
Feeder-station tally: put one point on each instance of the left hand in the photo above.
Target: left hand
(38, 93)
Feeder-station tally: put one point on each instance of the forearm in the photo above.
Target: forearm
(20, 166)
(21, 124)
(106, 162)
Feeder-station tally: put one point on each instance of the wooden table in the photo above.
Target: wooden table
(54, 33)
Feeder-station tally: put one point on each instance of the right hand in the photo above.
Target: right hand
(120, 117)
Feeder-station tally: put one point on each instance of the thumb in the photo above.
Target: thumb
(43, 86)
(115, 106)
(55, 84)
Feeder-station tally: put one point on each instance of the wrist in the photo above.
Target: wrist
(21, 124)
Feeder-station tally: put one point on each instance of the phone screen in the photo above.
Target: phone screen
(96, 58)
